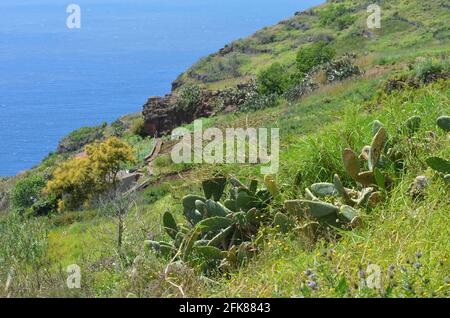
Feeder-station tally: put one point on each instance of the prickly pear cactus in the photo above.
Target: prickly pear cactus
(282, 223)
(307, 208)
(376, 126)
(214, 187)
(190, 210)
(323, 189)
(170, 225)
(213, 229)
(439, 164)
(341, 190)
(373, 154)
(351, 163)
(350, 216)
(376, 148)
(444, 123)
(412, 125)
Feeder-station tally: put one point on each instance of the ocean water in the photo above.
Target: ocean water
(54, 79)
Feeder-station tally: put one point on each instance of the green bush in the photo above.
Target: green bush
(345, 21)
(43, 206)
(26, 192)
(118, 128)
(24, 242)
(259, 101)
(314, 55)
(138, 127)
(429, 69)
(153, 194)
(273, 80)
(342, 68)
(304, 87)
(337, 16)
(212, 69)
(331, 13)
(190, 97)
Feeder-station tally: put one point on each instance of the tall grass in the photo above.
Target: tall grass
(406, 238)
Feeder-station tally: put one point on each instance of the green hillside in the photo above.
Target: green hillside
(407, 27)
(288, 235)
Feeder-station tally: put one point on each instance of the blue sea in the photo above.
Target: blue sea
(54, 79)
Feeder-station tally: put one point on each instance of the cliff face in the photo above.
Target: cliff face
(163, 114)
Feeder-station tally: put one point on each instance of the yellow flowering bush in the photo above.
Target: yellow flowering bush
(77, 180)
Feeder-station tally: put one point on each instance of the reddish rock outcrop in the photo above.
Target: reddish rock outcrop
(163, 114)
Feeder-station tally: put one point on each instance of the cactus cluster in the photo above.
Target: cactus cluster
(343, 212)
(336, 205)
(216, 234)
(373, 154)
(219, 232)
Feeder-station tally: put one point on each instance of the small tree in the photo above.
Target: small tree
(72, 180)
(116, 205)
(80, 179)
(26, 192)
(314, 55)
(107, 159)
(273, 80)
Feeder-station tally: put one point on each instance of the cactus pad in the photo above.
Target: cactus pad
(444, 123)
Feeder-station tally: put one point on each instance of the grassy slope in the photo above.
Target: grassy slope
(394, 231)
(417, 25)
(393, 234)
(313, 133)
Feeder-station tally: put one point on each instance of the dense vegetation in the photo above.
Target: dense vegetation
(363, 182)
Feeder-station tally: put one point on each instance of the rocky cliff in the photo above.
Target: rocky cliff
(163, 114)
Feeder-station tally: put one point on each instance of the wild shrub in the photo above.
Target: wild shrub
(314, 55)
(245, 97)
(342, 68)
(190, 97)
(43, 206)
(26, 192)
(429, 69)
(78, 180)
(24, 242)
(217, 69)
(72, 182)
(118, 128)
(336, 16)
(304, 87)
(137, 127)
(153, 194)
(258, 101)
(273, 80)
(107, 159)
